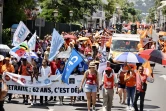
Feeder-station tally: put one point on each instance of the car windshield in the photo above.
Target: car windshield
(124, 45)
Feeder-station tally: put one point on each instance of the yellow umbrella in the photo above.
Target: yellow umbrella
(83, 38)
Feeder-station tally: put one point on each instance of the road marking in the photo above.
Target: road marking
(163, 76)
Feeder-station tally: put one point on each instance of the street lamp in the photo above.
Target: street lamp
(71, 15)
(55, 15)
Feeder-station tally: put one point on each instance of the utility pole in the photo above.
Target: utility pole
(1, 19)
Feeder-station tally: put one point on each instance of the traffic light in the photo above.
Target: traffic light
(118, 28)
(133, 29)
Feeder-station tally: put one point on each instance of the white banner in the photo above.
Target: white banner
(45, 86)
(32, 42)
(20, 34)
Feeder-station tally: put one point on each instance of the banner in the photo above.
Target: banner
(20, 34)
(32, 42)
(56, 43)
(51, 86)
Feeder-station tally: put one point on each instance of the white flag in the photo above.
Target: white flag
(32, 42)
(20, 34)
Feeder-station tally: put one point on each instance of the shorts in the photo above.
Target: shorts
(90, 88)
(123, 86)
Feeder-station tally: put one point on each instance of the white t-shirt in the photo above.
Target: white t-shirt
(45, 71)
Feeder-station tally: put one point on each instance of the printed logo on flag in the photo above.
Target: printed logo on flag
(21, 32)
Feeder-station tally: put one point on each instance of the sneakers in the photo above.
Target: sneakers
(128, 108)
(59, 103)
(31, 103)
(93, 108)
(132, 109)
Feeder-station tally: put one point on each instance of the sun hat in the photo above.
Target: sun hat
(108, 69)
(7, 58)
(92, 64)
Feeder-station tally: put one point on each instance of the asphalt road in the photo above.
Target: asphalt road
(155, 99)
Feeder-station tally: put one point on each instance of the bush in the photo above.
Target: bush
(6, 36)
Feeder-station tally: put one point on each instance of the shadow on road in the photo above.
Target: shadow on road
(85, 105)
(150, 107)
(39, 107)
(146, 99)
(84, 109)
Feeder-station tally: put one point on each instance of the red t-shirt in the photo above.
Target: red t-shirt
(138, 81)
(54, 66)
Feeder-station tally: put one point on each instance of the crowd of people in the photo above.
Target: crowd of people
(129, 83)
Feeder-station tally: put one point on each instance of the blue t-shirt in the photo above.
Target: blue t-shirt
(59, 71)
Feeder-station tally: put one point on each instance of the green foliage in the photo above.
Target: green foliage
(129, 13)
(164, 10)
(151, 16)
(6, 36)
(109, 8)
(79, 7)
(14, 11)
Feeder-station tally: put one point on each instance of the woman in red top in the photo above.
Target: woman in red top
(91, 85)
(87, 49)
(141, 78)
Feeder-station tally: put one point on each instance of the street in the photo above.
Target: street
(154, 99)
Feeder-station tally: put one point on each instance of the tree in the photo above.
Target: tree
(14, 11)
(109, 8)
(79, 7)
(151, 16)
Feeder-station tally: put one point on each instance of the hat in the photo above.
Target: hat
(92, 64)
(1, 57)
(62, 63)
(89, 53)
(7, 58)
(108, 69)
(38, 52)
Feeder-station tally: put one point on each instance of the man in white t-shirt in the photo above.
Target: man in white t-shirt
(45, 72)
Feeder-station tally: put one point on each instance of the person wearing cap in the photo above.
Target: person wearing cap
(7, 67)
(91, 81)
(109, 81)
(60, 71)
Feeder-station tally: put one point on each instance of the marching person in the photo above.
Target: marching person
(141, 86)
(91, 85)
(3, 93)
(23, 70)
(121, 86)
(130, 87)
(7, 67)
(60, 71)
(109, 81)
(45, 71)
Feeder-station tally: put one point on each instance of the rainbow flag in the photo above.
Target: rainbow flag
(20, 50)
